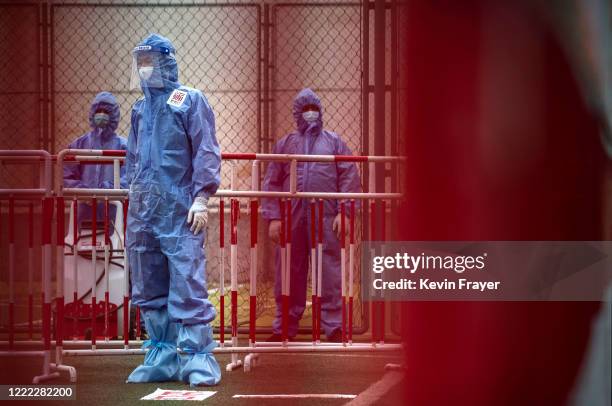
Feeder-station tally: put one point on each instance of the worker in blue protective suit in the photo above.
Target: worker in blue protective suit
(104, 118)
(173, 166)
(310, 138)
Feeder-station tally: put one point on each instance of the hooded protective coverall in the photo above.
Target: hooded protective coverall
(311, 177)
(97, 176)
(173, 157)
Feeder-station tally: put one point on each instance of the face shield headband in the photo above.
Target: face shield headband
(147, 64)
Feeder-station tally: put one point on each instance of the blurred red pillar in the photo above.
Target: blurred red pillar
(500, 146)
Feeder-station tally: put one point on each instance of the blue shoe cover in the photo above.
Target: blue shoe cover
(161, 361)
(198, 366)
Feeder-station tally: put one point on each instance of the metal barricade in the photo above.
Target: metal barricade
(348, 207)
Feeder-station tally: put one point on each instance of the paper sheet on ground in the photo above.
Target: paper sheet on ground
(172, 394)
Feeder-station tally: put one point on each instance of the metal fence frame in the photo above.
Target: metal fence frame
(266, 38)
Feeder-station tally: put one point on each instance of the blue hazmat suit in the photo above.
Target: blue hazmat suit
(311, 177)
(92, 176)
(173, 156)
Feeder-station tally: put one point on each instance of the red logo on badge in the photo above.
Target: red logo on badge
(178, 97)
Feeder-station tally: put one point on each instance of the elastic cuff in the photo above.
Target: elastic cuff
(202, 199)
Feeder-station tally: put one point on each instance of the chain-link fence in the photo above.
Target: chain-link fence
(218, 52)
(20, 115)
(20, 88)
(249, 59)
(318, 46)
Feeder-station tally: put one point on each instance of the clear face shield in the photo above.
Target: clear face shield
(147, 67)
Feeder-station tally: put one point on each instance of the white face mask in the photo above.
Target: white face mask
(310, 116)
(145, 72)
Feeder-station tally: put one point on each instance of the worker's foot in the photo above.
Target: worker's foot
(336, 336)
(277, 338)
(197, 364)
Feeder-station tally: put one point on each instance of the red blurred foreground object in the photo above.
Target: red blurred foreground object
(500, 146)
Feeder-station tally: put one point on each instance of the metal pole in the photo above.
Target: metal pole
(379, 87)
(351, 272)
(45, 93)
(253, 264)
(259, 70)
(284, 293)
(222, 272)
(75, 268)
(94, 257)
(30, 269)
(343, 267)
(11, 238)
(320, 267)
(59, 331)
(106, 269)
(266, 79)
(365, 115)
(117, 174)
(313, 267)
(242, 350)
(126, 281)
